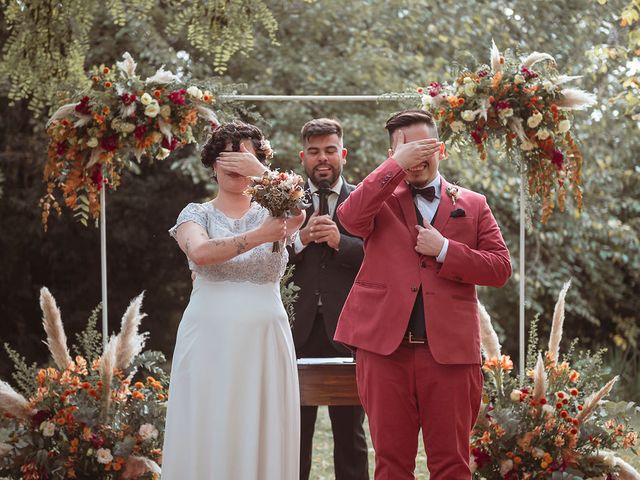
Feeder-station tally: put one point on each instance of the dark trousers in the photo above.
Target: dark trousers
(349, 443)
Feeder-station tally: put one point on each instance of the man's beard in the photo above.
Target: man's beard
(330, 179)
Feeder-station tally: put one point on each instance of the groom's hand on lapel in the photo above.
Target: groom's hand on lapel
(429, 241)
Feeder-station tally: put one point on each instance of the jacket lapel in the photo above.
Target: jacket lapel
(344, 193)
(445, 208)
(403, 194)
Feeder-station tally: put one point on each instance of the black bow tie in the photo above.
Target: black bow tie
(428, 193)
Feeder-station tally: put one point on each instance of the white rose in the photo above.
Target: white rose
(564, 126)
(515, 395)
(195, 92)
(543, 134)
(163, 153)
(147, 430)
(470, 89)
(534, 120)
(527, 146)
(165, 111)
(457, 126)
(92, 142)
(152, 109)
(537, 453)
(548, 409)
(506, 466)
(104, 455)
(146, 99)
(48, 428)
(518, 79)
(468, 116)
(127, 127)
(506, 113)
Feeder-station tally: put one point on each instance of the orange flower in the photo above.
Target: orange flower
(574, 376)
(157, 93)
(95, 78)
(486, 438)
(138, 385)
(506, 363)
(73, 446)
(137, 395)
(108, 84)
(161, 397)
(106, 70)
(495, 81)
(106, 110)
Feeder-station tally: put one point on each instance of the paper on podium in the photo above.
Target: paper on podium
(325, 361)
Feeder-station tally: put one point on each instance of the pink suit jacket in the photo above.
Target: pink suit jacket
(375, 316)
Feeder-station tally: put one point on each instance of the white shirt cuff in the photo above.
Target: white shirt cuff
(443, 251)
(298, 246)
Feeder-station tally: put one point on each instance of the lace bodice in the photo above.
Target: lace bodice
(258, 265)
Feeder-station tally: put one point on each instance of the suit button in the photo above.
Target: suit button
(414, 289)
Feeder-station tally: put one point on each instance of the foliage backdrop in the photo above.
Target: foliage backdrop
(321, 47)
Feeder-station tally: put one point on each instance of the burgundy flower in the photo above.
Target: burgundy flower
(127, 98)
(140, 131)
(177, 97)
(511, 475)
(477, 136)
(528, 74)
(557, 158)
(83, 106)
(482, 458)
(61, 148)
(96, 441)
(41, 416)
(434, 89)
(109, 143)
(502, 105)
(483, 73)
(170, 145)
(97, 177)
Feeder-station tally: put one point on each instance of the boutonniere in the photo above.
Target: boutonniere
(454, 193)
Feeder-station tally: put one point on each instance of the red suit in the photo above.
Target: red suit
(436, 387)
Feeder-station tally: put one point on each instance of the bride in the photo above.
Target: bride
(233, 411)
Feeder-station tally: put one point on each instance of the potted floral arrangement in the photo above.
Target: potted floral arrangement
(553, 424)
(524, 106)
(99, 414)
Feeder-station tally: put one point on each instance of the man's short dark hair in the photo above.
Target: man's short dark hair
(320, 127)
(407, 118)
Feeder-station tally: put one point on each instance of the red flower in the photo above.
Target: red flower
(528, 74)
(434, 89)
(177, 97)
(557, 158)
(420, 90)
(83, 106)
(127, 98)
(61, 148)
(170, 146)
(140, 131)
(477, 136)
(543, 401)
(97, 178)
(483, 73)
(482, 457)
(109, 143)
(502, 105)
(40, 416)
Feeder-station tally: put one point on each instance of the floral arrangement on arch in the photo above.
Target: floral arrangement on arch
(524, 106)
(554, 425)
(98, 415)
(120, 116)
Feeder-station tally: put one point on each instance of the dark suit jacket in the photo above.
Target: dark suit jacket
(321, 271)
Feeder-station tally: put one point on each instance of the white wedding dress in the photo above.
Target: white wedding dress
(234, 405)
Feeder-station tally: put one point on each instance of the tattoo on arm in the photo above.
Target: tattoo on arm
(241, 243)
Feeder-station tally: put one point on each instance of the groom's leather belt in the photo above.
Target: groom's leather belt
(410, 338)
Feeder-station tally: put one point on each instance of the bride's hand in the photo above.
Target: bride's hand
(243, 163)
(273, 229)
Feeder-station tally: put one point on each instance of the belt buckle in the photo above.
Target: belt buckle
(411, 339)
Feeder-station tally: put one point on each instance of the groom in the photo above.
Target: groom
(412, 312)
(326, 260)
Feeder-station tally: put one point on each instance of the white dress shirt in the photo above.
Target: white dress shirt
(428, 210)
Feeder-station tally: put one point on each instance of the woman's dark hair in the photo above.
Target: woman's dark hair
(232, 132)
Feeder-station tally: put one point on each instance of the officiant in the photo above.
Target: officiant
(326, 260)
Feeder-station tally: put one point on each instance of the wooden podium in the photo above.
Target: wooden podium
(328, 381)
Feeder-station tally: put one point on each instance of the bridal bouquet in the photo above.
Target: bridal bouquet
(281, 193)
(97, 415)
(555, 424)
(523, 106)
(120, 116)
